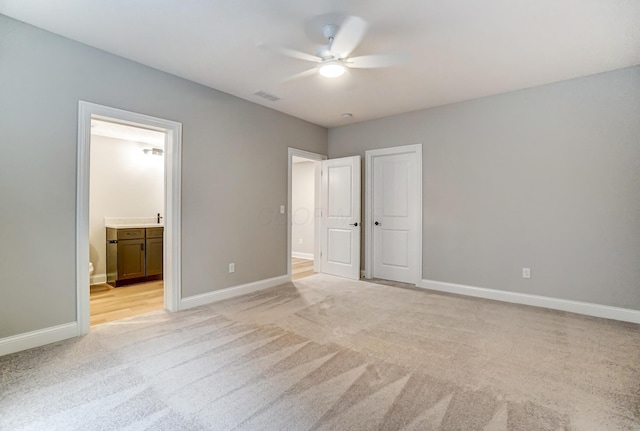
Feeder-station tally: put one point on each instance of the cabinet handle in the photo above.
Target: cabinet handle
(142, 247)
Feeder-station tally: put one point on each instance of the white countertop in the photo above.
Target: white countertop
(134, 225)
(131, 222)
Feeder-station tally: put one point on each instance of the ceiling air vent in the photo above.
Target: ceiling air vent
(267, 96)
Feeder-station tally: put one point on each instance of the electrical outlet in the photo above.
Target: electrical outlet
(281, 209)
(232, 268)
(300, 241)
(526, 272)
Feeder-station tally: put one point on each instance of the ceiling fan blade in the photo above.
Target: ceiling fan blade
(374, 61)
(304, 74)
(349, 36)
(299, 55)
(292, 53)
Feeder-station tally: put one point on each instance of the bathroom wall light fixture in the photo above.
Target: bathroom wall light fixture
(153, 151)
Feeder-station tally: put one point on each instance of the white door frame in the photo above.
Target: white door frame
(316, 225)
(172, 210)
(368, 215)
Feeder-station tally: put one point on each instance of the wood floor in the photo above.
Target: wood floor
(301, 268)
(108, 303)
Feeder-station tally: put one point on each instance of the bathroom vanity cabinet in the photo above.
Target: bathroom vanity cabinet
(134, 255)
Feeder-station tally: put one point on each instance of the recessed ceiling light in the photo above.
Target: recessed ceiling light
(347, 115)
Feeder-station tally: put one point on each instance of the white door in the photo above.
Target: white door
(394, 216)
(340, 203)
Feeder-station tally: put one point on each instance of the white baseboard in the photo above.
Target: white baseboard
(98, 279)
(586, 308)
(32, 339)
(308, 256)
(231, 292)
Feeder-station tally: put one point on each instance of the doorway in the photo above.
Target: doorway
(126, 197)
(303, 216)
(303, 242)
(169, 252)
(336, 249)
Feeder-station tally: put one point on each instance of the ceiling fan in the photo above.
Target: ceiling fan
(333, 59)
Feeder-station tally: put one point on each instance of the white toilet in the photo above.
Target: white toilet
(90, 268)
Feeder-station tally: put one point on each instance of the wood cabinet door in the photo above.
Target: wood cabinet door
(154, 256)
(131, 258)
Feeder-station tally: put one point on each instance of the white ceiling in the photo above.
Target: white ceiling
(127, 133)
(457, 49)
(296, 159)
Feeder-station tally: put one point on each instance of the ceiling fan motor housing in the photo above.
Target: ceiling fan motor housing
(329, 31)
(324, 52)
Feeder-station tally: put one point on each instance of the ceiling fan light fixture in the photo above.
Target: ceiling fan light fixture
(332, 69)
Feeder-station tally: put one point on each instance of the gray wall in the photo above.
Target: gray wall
(234, 172)
(546, 178)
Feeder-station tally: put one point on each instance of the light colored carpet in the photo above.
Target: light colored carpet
(327, 353)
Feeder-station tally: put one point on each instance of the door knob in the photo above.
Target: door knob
(354, 224)
(378, 223)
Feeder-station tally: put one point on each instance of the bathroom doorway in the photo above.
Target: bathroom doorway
(304, 217)
(128, 215)
(126, 220)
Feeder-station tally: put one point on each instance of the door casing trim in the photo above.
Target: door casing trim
(172, 187)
